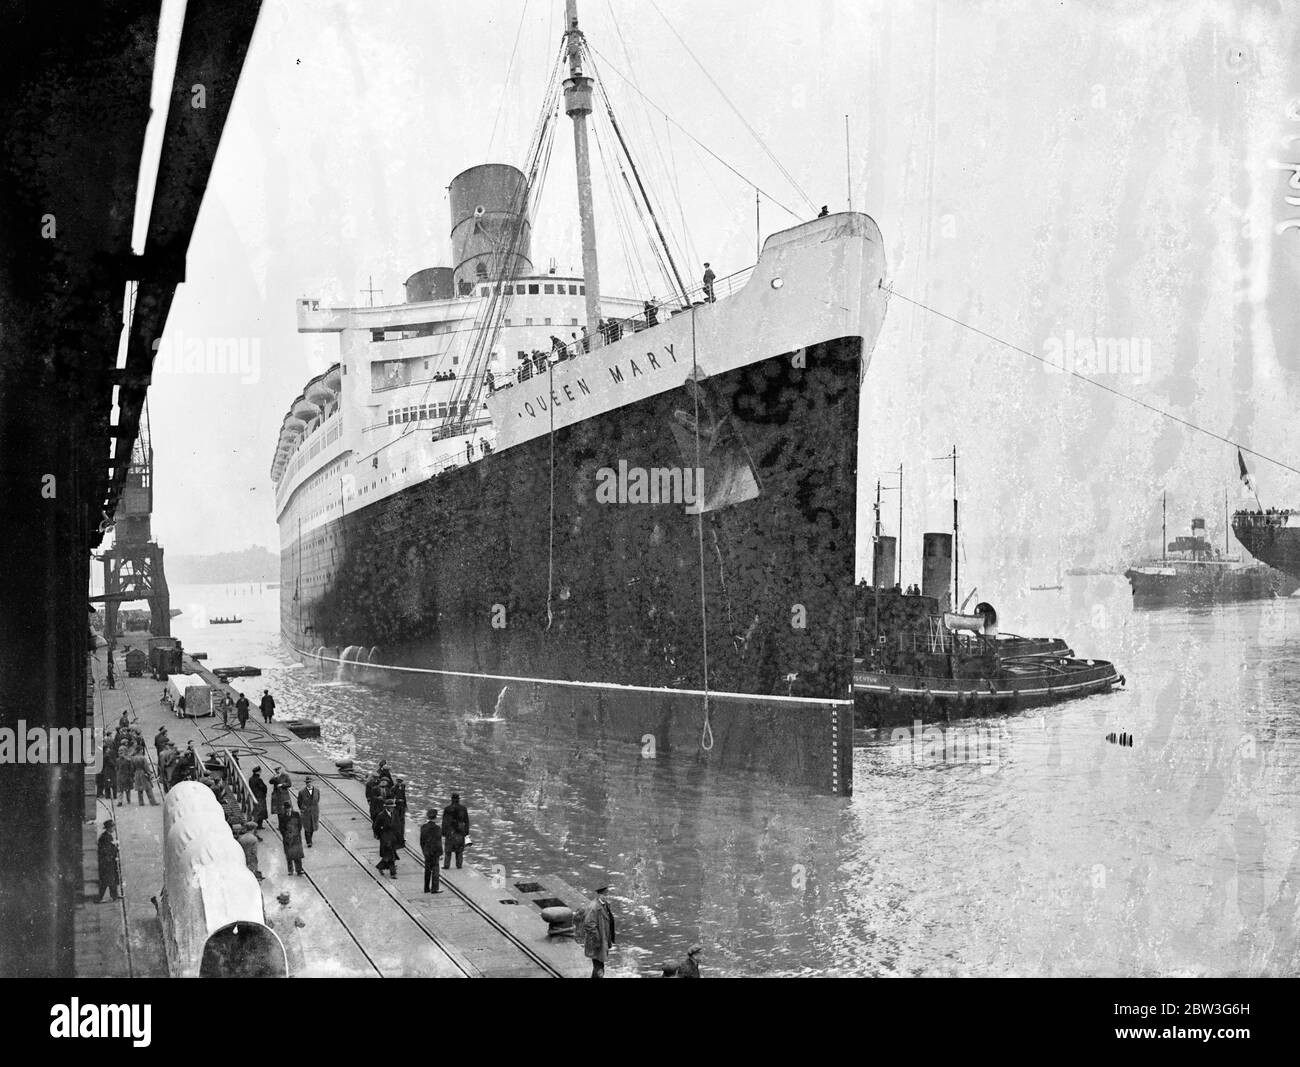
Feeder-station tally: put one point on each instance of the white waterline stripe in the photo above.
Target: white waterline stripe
(711, 694)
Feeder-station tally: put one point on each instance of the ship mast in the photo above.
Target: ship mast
(577, 105)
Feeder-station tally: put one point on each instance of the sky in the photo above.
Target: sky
(1053, 175)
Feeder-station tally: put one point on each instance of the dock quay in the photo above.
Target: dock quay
(357, 921)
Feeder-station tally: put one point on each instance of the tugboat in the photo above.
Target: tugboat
(920, 660)
(1190, 571)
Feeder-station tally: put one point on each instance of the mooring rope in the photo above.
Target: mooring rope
(706, 737)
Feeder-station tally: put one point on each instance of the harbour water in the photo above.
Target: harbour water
(1021, 846)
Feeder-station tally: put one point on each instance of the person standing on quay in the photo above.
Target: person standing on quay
(125, 773)
(258, 788)
(399, 810)
(241, 710)
(387, 840)
(286, 923)
(107, 778)
(110, 878)
(267, 706)
(143, 777)
(291, 837)
(309, 808)
(248, 840)
(281, 805)
(431, 846)
(455, 828)
(598, 931)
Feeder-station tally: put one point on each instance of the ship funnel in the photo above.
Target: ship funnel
(884, 560)
(936, 568)
(432, 283)
(491, 236)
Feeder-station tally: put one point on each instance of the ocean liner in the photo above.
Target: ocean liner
(636, 516)
(1273, 536)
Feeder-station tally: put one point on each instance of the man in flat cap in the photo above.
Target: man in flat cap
(431, 846)
(598, 931)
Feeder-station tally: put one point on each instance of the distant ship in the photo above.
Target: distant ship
(651, 526)
(1192, 572)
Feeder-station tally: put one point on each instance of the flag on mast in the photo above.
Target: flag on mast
(1245, 474)
(1246, 479)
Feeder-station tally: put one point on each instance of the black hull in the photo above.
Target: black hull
(1207, 586)
(1269, 542)
(469, 573)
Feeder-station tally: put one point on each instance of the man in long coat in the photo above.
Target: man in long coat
(431, 846)
(597, 931)
(110, 878)
(248, 842)
(286, 923)
(267, 705)
(291, 836)
(455, 828)
(142, 776)
(258, 789)
(309, 808)
(387, 840)
(125, 773)
(281, 804)
(241, 710)
(107, 778)
(399, 810)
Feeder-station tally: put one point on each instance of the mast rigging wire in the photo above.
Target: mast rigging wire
(891, 291)
(753, 132)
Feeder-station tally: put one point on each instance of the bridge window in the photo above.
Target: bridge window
(532, 290)
(549, 289)
(573, 290)
(519, 290)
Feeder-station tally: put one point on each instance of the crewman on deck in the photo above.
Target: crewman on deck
(110, 877)
(267, 705)
(241, 710)
(309, 808)
(431, 846)
(651, 313)
(455, 828)
(161, 741)
(709, 276)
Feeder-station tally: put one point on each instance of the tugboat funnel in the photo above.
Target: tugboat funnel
(936, 568)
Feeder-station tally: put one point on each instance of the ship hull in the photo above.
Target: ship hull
(543, 571)
(1270, 542)
(1208, 585)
